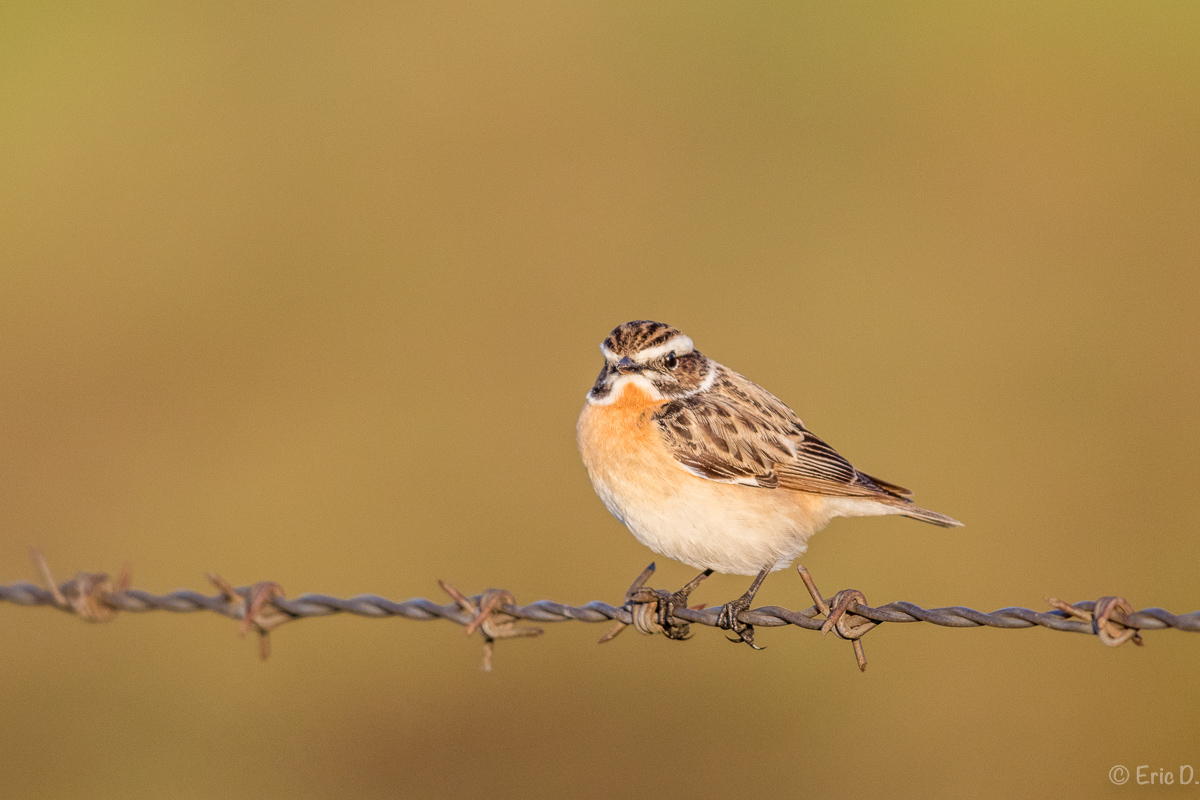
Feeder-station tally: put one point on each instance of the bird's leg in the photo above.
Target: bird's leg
(667, 603)
(729, 613)
(679, 598)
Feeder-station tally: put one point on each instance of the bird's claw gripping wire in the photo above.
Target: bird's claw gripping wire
(488, 617)
(653, 610)
(728, 618)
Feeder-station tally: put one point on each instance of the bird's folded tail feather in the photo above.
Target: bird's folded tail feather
(933, 517)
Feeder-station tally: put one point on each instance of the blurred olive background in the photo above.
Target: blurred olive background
(313, 292)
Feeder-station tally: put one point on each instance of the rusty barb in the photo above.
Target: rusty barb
(1109, 618)
(89, 594)
(650, 612)
(494, 615)
(255, 607)
(488, 617)
(93, 596)
(840, 616)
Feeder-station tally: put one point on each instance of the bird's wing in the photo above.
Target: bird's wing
(740, 433)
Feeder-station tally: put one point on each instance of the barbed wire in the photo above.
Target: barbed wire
(263, 606)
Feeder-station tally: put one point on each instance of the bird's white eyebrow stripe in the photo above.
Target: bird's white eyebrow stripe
(681, 344)
(608, 354)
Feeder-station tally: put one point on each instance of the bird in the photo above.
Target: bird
(708, 468)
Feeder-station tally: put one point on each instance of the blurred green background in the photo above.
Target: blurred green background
(313, 292)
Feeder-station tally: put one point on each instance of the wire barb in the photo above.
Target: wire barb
(848, 625)
(653, 611)
(489, 618)
(255, 607)
(263, 607)
(639, 614)
(88, 595)
(1109, 618)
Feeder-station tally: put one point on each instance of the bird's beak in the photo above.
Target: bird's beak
(626, 365)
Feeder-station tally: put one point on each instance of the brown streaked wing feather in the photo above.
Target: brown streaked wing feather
(888, 486)
(741, 433)
(718, 440)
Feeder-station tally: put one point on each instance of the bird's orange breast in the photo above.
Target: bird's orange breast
(619, 441)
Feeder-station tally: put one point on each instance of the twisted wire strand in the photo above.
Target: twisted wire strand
(420, 608)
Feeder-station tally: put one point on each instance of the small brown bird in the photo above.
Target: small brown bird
(705, 466)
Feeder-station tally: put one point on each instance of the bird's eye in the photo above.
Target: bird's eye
(671, 361)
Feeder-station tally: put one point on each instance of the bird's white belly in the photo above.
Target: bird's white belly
(728, 528)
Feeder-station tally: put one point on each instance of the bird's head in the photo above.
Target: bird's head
(659, 359)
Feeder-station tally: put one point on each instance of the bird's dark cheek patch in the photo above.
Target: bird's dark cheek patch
(601, 387)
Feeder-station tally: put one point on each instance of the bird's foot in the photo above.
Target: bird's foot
(653, 610)
(666, 603)
(728, 619)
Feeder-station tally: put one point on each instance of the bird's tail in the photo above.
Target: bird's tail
(933, 517)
